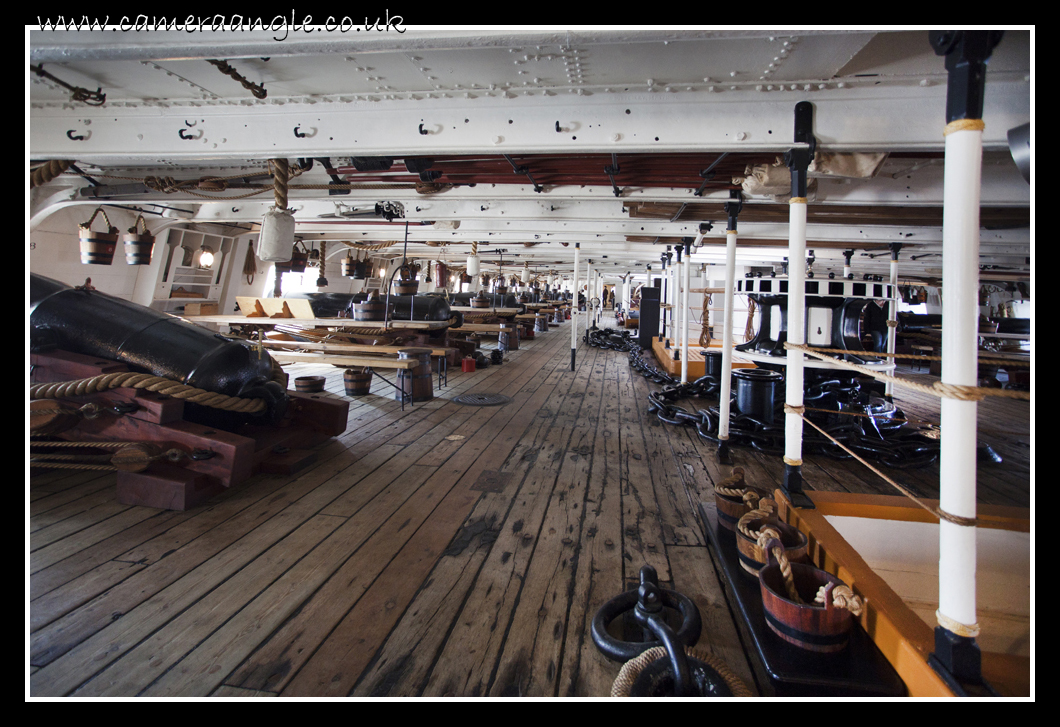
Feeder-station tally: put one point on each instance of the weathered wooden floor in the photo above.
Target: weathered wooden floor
(443, 550)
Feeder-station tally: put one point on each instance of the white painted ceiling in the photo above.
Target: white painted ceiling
(452, 94)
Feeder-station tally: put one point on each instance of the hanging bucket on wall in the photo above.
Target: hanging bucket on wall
(97, 248)
(138, 246)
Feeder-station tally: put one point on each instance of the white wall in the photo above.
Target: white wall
(55, 252)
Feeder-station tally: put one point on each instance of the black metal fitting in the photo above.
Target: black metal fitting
(958, 661)
(967, 52)
(733, 207)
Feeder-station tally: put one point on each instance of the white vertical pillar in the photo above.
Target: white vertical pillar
(574, 308)
(796, 327)
(726, 338)
(960, 314)
(588, 294)
(684, 315)
(892, 318)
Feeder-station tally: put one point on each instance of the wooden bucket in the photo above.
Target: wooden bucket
(480, 301)
(97, 248)
(373, 309)
(417, 381)
(138, 246)
(811, 626)
(730, 509)
(309, 384)
(357, 382)
(752, 558)
(508, 338)
(406, 287)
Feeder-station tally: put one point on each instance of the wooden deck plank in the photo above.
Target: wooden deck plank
(413, 648)
(598, 577)
(312, 631)
(533, 646)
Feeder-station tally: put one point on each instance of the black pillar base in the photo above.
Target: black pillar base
(792, 487)
(958, 662)
(724, 455)
(572, 359)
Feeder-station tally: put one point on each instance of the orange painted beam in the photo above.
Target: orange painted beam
(890, 507)
(900, 634)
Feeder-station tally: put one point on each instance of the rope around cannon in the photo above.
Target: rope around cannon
(149, 382)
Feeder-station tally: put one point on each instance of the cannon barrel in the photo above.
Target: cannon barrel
(96, 324)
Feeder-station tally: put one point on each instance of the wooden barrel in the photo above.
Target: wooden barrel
(309, 384)
(751, 556)
(138, 249)
(357, 382)
(97, 248)
(508, 338)
(417, 381)
(372, 309)
(811, 626)
(731, 509)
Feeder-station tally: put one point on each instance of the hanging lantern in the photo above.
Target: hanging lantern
(138, 246)
(97, 248)
(525, 276)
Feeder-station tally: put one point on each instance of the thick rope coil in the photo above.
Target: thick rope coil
(132, 380)
(280, 176)
(48, 171)
(627, 676)
(842, 597)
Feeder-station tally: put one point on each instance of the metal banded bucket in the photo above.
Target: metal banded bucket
(97, 248)
(415, 382)
(821, 628)
(755, 389)
(731, 509)
(480, 301)
(373, 309)
(406, 287)
(357, 383)
(508, 338)
(752, 558)
(138, 246)
(309, 384)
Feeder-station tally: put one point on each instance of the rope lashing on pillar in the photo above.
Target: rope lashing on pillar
(937, 512)
(957, 627)
(158, 384)
(964, 125)
(48, 171)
